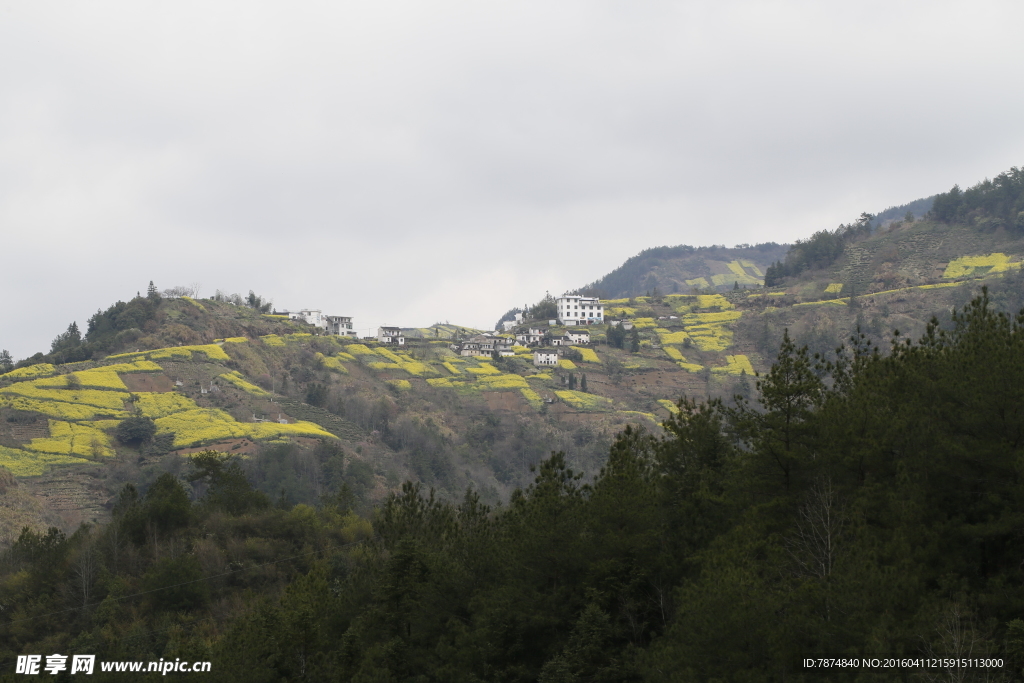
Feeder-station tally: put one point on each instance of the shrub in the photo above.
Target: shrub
(135, 430)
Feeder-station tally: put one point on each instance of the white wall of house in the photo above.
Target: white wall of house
(579, 310)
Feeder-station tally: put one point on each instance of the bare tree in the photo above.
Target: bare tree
(85, 569)
(815, 544)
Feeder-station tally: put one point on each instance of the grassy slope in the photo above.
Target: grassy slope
(421, 413)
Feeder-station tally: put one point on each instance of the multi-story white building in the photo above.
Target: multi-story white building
(308, 315)
(545, 357)
(340, 325)
(530, 337)
(579, 310)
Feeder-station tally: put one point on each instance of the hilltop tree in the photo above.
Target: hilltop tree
(6, 362)
(545, 309)
(152, 293)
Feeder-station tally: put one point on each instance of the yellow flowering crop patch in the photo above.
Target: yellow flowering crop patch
(31, 372)
(566, 364)
(976, 266)
(516, 348)
(699, 282)
(711, 337)
(717, 317)
(484, 369)
(205, 425)
(359, 350)
(67, 438)
(508, 381)
(345, 356)
(236, 340)
(331, 363)
(381, 365)
(532, 397)
(28, 464)
(825, 302)
(58, 409)
(737, 365)
(667, 337)
(613, 302)
(451, 368)
(620, 312)
(387, 353)
(668, 405)
(155, 405)
(690, 367)
(195, 303)
(236, 378)
(753, 266)
(644, 323)
(417, 368)
(212, 351)
(112, 400)
(402, 384)
(136, 366)
(89, 379)
(588, 354)
(713, 301)
(298, 336)
(736, 268)
(272, 340)
(674, 353)
(176, 353)
(443, 382)
(834, 288)
(583, 401)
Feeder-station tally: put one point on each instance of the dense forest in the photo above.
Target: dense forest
(868, 503)
(989, 205)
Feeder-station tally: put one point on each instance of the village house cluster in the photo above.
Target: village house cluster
(331, 324)
(572, 311)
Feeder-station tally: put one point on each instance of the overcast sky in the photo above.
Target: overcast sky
(413, 162)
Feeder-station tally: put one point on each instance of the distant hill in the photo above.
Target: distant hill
(683, 269)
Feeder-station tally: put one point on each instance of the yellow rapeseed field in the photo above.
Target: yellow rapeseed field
(236, 378)
(668, 405)
(484, 369)
(30, 464)
(583, 401)
(737, 365)
(532, 397)
(589, 355)
(31, 372)
(67, 438)
(974, 266)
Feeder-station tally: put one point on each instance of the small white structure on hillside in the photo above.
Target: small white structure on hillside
(542, 357)
(579, 310)
(390, 335)
(578, 336)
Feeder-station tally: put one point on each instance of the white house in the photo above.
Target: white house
(530, 337)
(340, 325)
(579, 310)
(312, 316)
(578, 336)
(543, 357)
(484, 345)
(390, 335)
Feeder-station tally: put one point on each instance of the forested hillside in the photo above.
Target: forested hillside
(868, 503)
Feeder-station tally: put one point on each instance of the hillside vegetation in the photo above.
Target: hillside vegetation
(860, 506)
